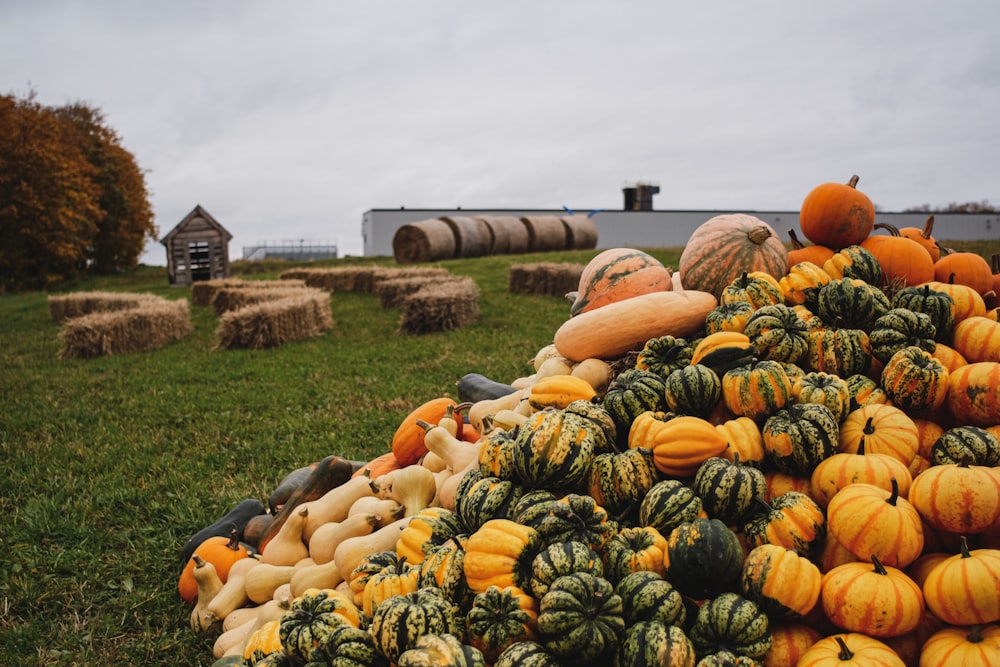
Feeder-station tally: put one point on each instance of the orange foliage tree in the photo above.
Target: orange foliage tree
(72, 199)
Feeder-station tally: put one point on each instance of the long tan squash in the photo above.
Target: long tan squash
(612, 330)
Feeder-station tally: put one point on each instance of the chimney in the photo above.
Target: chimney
(640, 196)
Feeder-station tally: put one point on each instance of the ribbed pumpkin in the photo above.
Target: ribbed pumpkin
(648, 596)
(965, 268)
(957, 499)
(964, 589)
(669, 504)
(914, 380)
(397, 579)
(728, 317)
(679, 445)
(554, 450)
(747, 243)
(784, 583)
(444, 568)
(723, 350)
(851, 649)
(937, 305)
(899, 328)
(727, 488)
(427, 529)
(851, 303)
(840, 351)
(580, 617)
(777, 333)
(801, 252)
(866, 519)
(731, 622)
(562, 558)
(949, 357)
(975, 646)
(693, 390)
(500, 617)
(903, 260)
(757, 288)
(367, 568)
(479, 499)
(885, 429)
(634, 549)
(972, 396)
(527, 654)
(826, 389)
(801, 285)
(791, 520)
(500, 553)
(789, 642)
(663, 355)
(704, 558)
(854, 261)
(616, 274)
(969, 445)
(401, 620)
(843, 468)
(744, 440)
(977, 339)
(756, 390)
(796, 439)
(837, 214)
(864, 390)
(871, 598)
(924, 236)
(968, 302)
(655, 644)
(573, 517)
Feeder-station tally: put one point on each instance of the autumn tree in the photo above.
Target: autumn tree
(72, 199)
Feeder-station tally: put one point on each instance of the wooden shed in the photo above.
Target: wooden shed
(197, 249)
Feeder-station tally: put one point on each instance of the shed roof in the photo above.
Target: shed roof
(196, 212)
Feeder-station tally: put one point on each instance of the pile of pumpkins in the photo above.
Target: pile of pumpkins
(792, 459)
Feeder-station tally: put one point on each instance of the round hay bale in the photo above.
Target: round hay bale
(545, 233)
(423, 241)
(472, 236)
(510, 235)
(581, 232)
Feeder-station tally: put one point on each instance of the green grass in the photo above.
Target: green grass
(108, 465)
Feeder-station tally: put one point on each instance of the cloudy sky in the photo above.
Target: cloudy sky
(290, 120)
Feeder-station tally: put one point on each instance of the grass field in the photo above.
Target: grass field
(109, 464)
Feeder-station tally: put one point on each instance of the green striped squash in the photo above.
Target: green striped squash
(444, 569)
(605, 431)
(348, 645)
(864, 391)
(431, 648)
(732, 316)
(652, 644)
(851, 303)
(560, 559)
(401, 620)
(693, 390)
(554, 450)
(727, 488)
(500, 617)
(731, 622)
(966, 445)
(669, 504)
(838, 351)
(311, 617)
(756, 390)
(825, 389)
(901, 328)
(574, 517)
(484, 499)
(798, 438)
(619, 481)
(664, 354)
(580, 617)
(757, 288)
(527, 654)
(705, 558)
(778, 333)
(648, 596)
(634, 549)
(632, 392)
(938, 306)
(915, 380)
(855, 261)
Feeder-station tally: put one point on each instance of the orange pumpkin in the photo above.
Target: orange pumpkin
(968, 302)
(837, 215)
(924, 236)
(902, 259)
(880, 601)
(964, 589)
(975, 646)
(977, 339)
(957, 499)
(616, 274)
(679, 445)
(789, 642)
(965, 268)
(972, 394)
(408, 440)
(852, 649)
(866, 519)
(221, 552)
(843, 468)
(948, 356)
(800, 252)
(883, 428)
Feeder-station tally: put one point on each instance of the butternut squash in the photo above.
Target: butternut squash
(272, 610)
(433, 462)
(287, 546)
(263, 579)
(454, 452)
(414, 488)
(335, 504)
(317, 575)
(209, 584)
(544, 354)
(555, 365)
(350, 551)
(508, 419)
(387, 509)
(481, 409)
(449, 487)
(233, 593)
(326, 538)
(238, 617)
(610, 331)
(234, 636)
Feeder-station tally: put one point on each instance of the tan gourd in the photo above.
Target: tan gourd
(283, 593)
(557, 365)
(433, 462)
(386, 508)
(271, 610)
(439, 478)
(344, 588)
(508, 419)
(414, 488)
(263, 579)
(596, 372)
(350, 551)
(455, 452)
(326, 538)
(236, 636)
(209, 585)
(485, 408)
(335, 503)
(288, 547)
(233, 594)
(524, 382)
(317, 575)
(544, 354)
(449, 487)
(238, 617)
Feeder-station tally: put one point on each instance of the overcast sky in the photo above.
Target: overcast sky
(290, 120)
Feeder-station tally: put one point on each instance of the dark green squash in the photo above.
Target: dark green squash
(652, 644)
(527, 654)
(348, 646)
(855, 261)
(901, 328)
(938, 306)
(852, 303)
(500, 617)
(840, 351)
(401, 620)
(580, 617)
(778, 333)
(727, 488)
(648, 596)
(966, 445)
(444, 569)
(669, 504)
(485, 498)
(311, 617)
(705, 558)
(693, 390)
(574, 517)
(619, 481)
(733, 623)
(631, 393)
(554, 450)
(664, 355)
(560, 559)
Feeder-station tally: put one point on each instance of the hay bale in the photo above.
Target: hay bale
(444, 306)
(423, 241)
(392, 292)
(272, 323)
(154, 324)
(581, 232)
(395, 272)
(334, 279)
(63, 307)
(472, 236)
(235, 298)
(203, 291)
(545, 233)
(544, 278)
(509, 235)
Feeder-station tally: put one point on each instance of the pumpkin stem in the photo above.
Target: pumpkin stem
(964, 547)
(928, 227)
(869, 426)
(764, 504)
(879, 567)
(845, 653)
(234, 540)
(975, 635)
(759, 234)
(796, 243)
(892, 229)
(861, 446)
(895, 492)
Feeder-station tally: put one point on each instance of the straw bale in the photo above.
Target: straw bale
(544, 278)
(581, 232)
(446, 305)
(203, 291)
(63, 307)
(393, 291)
(395, 272)
(509, 235)
(154, 324)
(239, 297)
(423, 241)
(545, 233)
(472, 236)
(335, 279)
(272, 323)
